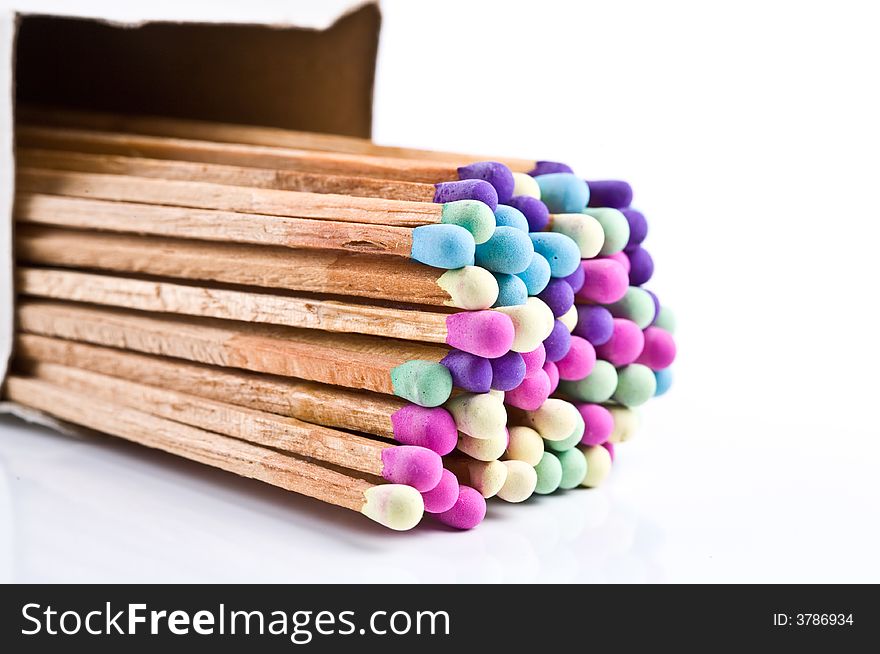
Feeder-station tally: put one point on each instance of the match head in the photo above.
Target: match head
(578, 362)
(576, 279)
(537, 275)
(549, 167)
(574, 468)
(558, 296)
(534, 210)
(610, 193)
(434, 428)
(638, 226)
(656, 302)
(443, 496)
(525, 445)
(469, 372)
(558, 343)
(426, 383)
(641, 266)
(473, 215)
(525, 185)
(626, 423)
(534, 360)
(483, 449)
(478, 415)
(563, 192)
(615, 227)
(598, 423)
(659, 350)
(512, 291)
(532, 323)
(594, 323)
(395, 506)
(597, 387)
(622, 259)
(509, 250)
(531, 393)
(584, 230)
(606, 281)
(411, 465)
(443, 246)
(487, 477)
(664, 381)
(520, 483)
(636, 385)
(561, 252)
(555, 420)
(508, 371)
(484, 333)
(468, 511)
(470, 288)
(610, 447)
(665, 319)
(549, 473)
(625, 345)
(570, 318)
(507, 216)
(598, 465)
(466, 189)
(636, 305)
(552, 373)
(497, 174)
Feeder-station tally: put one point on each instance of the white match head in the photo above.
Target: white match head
(598, 465)
(525, 185)
(479, 415)
(525, 445)
(487, 476)
(521, 482)
(555, 420)
(483, 449)
(395, 506)
(472, 288)
(532, 323)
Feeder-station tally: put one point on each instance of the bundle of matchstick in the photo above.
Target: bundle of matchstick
(392, 331)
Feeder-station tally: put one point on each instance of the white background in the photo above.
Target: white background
(749, 131)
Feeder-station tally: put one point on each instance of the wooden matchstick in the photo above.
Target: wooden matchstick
(311, 271)
(394, 505)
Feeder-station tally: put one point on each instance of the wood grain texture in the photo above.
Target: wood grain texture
(204, 224)
(230, 454)
(271, 178)
(350, 360)
(311, 271)
(331, 406)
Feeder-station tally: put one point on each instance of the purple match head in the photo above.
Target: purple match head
(534, 360)
(638, 226)
(553, 374)
(579, 361)
(594, 323)
(656, 301)
(532, 392)
(497, 174)
(613, 193)
(557, 344)
(547, 167)
(467, 512)
(598, 423)
(507, 371)
(443, 496)
(412, 465)
(466, 189)
(641, 265)
(469, 372)
(483, 333)
(433, 428)
(536, 212)
(576, 279)
(558, 295)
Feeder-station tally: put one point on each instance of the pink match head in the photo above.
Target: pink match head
(621, 258)
(433, 428)
(443, 496)
(534, 360)
(625, 344)
(659, 350)
(598, 423)
(412, 465)
(552, 371)
(531, 393)
(605, 281)
(467, 512)
(484, 333)
(579, 361)
(608, 445)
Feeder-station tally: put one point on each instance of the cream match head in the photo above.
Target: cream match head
(526, 185)
(583, 229)
(626, 422)
(395, 506)
(479, 415)
(569, 318)
(470, 288)
(615, 227)
(483, 449)
(487, 476)
(555, 420)
(533, 322)
(520, 483)
(475, 216)
(598, 465)
(525, 445)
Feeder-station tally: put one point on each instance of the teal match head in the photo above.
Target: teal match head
(636, 385)
(395, 506)
(596, 387)
(563, 192)
(614, 225)
(508, 250)
(537, 275)
(507, 216)
(636, 305)
(561, 252)
(525, 185)
(426, 383)
(473, 215)
(665, 319)
(584, 230)
(471, 288)
(549, 473)
(512, 291)
(574, 468)
(443, 246)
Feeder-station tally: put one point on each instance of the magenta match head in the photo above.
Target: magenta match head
(444, 495)
(508, 371)
(467, 512)
(532, 392)
(484, 333)
(598, 423)
(625, 344)
(548, 167)
(553, 374)
(469, 372)
(578, 362)
(433, 428)
(659, 350)
(613, 193)
(497, 174)
(621, 258)
(558, 295)
(534, 360)
(536, 212)
(466, 189)
(558, 343)
(606, 281)
(608, 445)
(412, 465)
(576, 279)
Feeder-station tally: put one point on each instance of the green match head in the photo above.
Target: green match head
(425, 383)
(473, 215)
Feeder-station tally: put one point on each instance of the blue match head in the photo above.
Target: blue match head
(537, 275)
(507, 216)
(466, 189)
(534, 210)
(549, 167)
(561, 252)
(512, 291)
(497, 174)
(443, 246)
(563, 192)
(509, 250)
(508, 371)
(613, 193)
(664, 381)
(469, 372)
(558, 296)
